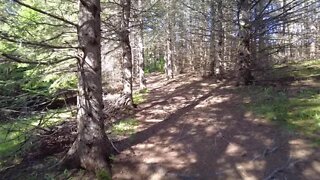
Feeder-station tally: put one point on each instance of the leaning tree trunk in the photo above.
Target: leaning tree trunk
(244, 74)
(127, 99)
(92, 147)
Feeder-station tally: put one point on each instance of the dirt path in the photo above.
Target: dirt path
(194, 128)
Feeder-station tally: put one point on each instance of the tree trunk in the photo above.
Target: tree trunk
(91, 149)
(244, 75)
(140, 48)
(212, 39)
(169, 59)
(220, 45)
(284, 30)
(126, 56)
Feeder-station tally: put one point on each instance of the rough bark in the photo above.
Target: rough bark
(127, 55)
(92, 147)
(220, 44)
(140, 48)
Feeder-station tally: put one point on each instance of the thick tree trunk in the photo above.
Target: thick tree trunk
(244, 74)
(127, 55)
(92, 147)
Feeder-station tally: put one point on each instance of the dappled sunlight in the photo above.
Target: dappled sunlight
(234, 150)
(166, 155)
(246, 169)
(160, 89)
(300, 149)
(153, 120)
(210, 130)
(199, 130)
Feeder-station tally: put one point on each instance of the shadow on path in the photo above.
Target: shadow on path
(200, 130)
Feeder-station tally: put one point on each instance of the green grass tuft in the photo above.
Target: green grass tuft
(306, 69)
(103, 175)
(301, 112)
(140, 96)
(297, 110)
(125, 127)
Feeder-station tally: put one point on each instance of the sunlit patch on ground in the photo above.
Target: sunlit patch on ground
(197, 131)
(125, 127)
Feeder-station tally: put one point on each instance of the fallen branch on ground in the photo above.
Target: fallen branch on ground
(289, 164)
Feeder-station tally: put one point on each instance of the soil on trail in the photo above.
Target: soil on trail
(193, 128)
(196, 129)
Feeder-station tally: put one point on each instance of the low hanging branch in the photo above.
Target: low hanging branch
(13, 39)
(45, 13)
(19, 60)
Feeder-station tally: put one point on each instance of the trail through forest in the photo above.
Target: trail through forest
(194, 128)
(147, 90)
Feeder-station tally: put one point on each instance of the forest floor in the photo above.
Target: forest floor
(194, 128)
